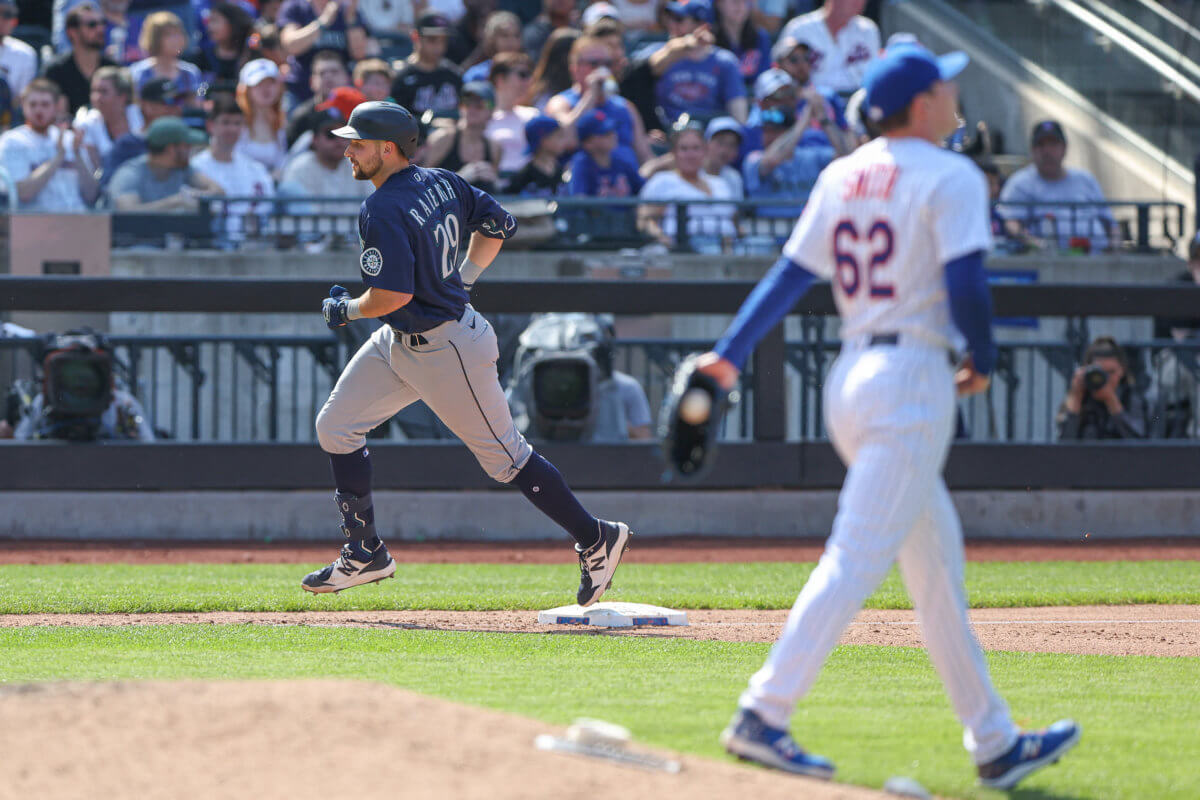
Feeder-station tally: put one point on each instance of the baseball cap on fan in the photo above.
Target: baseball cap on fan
(343, 100)
(770, 82)
(598, 11)
(256, 71)
(699, 10)
(1048, 128)
(432, 23)
(902, 73)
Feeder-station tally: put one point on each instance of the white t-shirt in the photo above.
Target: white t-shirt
(95, 132)
(507, 129)
(703, 220)
(881, 224)
(270, 154)
(18, 65)
(836, 64)
(305, 176)
(22, 151)
(241, 177)
(1076, 186)
(734, 179)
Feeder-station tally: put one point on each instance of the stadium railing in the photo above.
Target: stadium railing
(756, 226)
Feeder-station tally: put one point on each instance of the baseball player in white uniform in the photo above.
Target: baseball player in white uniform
(899, 227)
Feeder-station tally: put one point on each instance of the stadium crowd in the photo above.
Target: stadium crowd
(154, 106)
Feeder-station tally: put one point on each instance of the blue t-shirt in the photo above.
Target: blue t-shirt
(756, 60)
(815, 135)
(619, 179)
(332, 37)
(617, 109)
(412, 229)
(701, 88)
(792, 180)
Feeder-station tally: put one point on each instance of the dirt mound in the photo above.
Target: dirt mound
(1096, 630)
(267, 740)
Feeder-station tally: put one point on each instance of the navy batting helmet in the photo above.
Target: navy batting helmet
(387, 122)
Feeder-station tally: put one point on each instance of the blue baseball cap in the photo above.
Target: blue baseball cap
(903, 72)
(700, 10)
(539, 128)
(594, 123)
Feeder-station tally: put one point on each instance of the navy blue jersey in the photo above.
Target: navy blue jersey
(412, 229)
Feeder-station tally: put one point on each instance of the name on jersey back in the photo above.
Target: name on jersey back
(437, 193)
(872, 182)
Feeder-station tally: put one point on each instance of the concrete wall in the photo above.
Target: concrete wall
(505, 515)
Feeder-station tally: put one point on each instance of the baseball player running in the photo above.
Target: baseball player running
(900, 228)
(433, 346)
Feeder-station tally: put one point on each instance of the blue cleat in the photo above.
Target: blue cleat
(749, 738)
(1032, 751)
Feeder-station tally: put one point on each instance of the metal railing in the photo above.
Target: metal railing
(749, 227)
(269, 389)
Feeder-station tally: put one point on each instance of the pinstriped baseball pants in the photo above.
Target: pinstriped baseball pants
(890, 414)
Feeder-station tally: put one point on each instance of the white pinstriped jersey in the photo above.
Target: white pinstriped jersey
(881, 224)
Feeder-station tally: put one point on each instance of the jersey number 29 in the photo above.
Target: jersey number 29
(849, 273)
(446, 234)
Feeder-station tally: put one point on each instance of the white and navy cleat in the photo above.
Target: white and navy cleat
(1032, 751)
(353, 567)
(751, 739)
(598, 563)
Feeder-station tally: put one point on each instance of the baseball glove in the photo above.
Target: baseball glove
(691, 420)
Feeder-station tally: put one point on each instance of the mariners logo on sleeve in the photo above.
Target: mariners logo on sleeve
(371, 261)
(499, 229)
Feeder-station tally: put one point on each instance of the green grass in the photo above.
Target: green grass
(240, 587)
(876, 711)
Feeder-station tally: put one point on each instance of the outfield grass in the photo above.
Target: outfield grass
(876, 711)
(110, 588)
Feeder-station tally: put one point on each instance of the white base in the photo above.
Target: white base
(613, 615)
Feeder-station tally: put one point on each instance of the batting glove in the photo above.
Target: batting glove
(335, 307)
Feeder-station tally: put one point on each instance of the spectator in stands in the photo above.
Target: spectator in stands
(164, 38)
(309, 26)
(556, 15)
(501, 34)
(224, 50)
(18, 64)
(829, 120)
(157, 99)
(600, 10)
(373, 77)
(693, 75)
(1047, 181)
(264, 43)
(72, 71)
(709, 227)
(328, 74)
(237, 174)
(771, 14)
(121, 28)
(323, 171)
(510, 77)
(465, 148)
(1175, 393)
(163, 179)
(260, 94)
(724, 143)
(112, 115)
(600, 168)
(48, 163)
(466, 37)
(786, 168)
(427, 81)
(1112, 407)
(737, 32)
(337, 106)
(841, 43)
(594, 88)
(552, 72)
(542, 176)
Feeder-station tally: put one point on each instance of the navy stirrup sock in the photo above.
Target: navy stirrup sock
(352, 476)
(544, 486)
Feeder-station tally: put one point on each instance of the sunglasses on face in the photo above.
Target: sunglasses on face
(796, 58)
(523, 74)
(91, 23)
(596, 62)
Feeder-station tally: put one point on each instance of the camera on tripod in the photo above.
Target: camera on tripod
(77, 385)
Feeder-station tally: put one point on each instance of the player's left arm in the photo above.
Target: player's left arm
(490, 224)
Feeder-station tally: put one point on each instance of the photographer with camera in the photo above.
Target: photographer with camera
(79, 401)
(1102, 401)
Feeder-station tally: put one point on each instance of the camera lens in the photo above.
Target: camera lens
(1094, 378)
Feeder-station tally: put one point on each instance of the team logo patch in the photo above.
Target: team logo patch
(371, 261)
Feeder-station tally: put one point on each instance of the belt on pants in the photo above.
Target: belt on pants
(893, 339)
(416, 339)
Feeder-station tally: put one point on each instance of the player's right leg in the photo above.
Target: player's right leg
(367, 394)
(931, 562)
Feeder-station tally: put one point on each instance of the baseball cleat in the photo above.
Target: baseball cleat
(1032, 751)
(353, 567)
(599, 562)
(751, 739)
